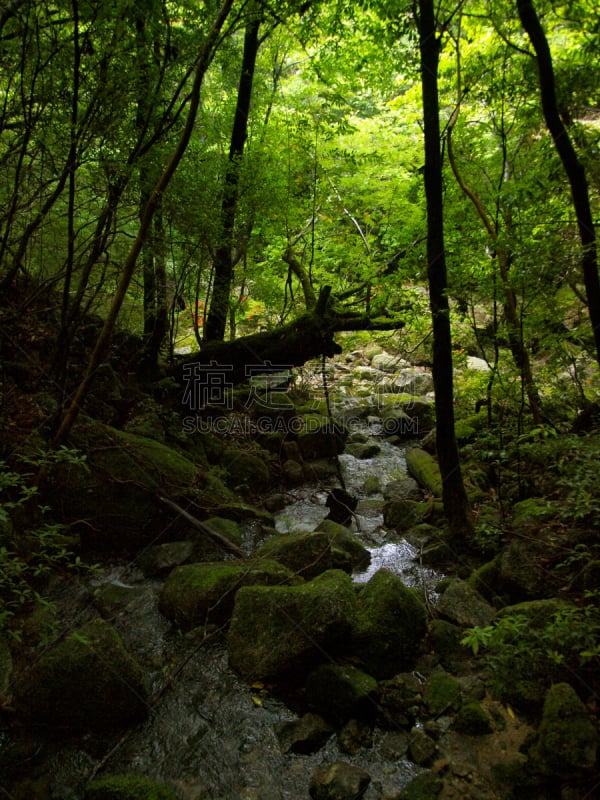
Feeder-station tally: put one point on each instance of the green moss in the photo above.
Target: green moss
(425, 470)
(86, 681)
(472, 720)
(227, 528)
(441, 693)
(484, 579)
(567, 740)
(128, 787)
(331, 546)
(280, 630)
(196, 594)
(247, 472)
(391, 620)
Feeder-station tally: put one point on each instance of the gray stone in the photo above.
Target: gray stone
(462, 605)
(305, 735)
(421, 748)
(161, 558)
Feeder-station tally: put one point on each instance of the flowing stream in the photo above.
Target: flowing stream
(208, 734)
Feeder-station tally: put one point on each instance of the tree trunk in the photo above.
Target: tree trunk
(223, 262)
(454, 496)
(307, 337)
(573, 167)
(205, 58)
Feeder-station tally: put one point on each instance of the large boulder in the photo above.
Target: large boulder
(86, 682)
(462, 605)
(196, 594)
(331, 546)
(390, 623)
(566, 739)
(116, 489)
(280, 631)
(247, 472)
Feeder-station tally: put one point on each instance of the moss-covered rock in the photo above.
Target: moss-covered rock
(566, 739)
(128, 787)
(485, 580)
(196, 594)
(462, 605)
(247, 472)
(441, 693)
(281, 631)
(228, 528)
(472, 720)
(340, 693)
(401, 515)
(320, 437)
(391, 620)
(116, 489)
(87, 681)
(331, 546)
(425, 470)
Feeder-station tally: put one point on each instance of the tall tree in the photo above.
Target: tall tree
(572, 165)
(454, 495)
(224, 256)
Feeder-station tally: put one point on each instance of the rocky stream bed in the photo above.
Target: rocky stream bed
(337, 676)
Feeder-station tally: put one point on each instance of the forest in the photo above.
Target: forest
(259, 258)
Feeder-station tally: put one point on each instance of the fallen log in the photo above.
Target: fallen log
(218, 538)
(308, 337)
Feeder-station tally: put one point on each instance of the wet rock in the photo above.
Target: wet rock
(355, 735)
(462, 605)
(421, 748)
(160, 559)
(426, 786)
(305, 735)
(276, 502)
(341, 692)
(88, 681)
(338, 781)
(566, 739)
(197, 594)
(441, 693)
(127, 787)
(281, 631)
(331, 546)
(391, 621)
